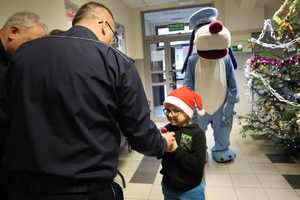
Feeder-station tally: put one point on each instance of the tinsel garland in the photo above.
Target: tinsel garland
(257, 60)
(273, 74)
(273, 91)
(274, 46)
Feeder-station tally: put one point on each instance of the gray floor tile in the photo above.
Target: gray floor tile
(280, 158)
(293, 180)
(146, 171)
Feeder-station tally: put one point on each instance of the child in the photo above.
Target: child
(182, 169)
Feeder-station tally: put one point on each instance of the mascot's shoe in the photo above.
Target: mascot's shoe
(223, 156)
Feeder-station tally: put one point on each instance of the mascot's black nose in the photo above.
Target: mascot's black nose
(215, 27)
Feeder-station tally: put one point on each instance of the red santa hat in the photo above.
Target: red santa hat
(187, 100)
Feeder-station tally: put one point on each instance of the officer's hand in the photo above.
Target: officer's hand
(170, 138)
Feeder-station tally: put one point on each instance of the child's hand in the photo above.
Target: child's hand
(169, 137)
(174, 146)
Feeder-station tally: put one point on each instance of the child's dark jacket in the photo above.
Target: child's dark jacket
(183, 169)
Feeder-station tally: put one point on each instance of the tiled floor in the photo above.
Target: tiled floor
(260, 172)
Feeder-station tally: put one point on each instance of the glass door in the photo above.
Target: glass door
(164, 62)
(162, 78)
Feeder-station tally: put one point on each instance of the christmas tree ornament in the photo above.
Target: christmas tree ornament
(287, 18)
(273, 74)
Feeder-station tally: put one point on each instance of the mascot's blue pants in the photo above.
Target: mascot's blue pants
(221, 122)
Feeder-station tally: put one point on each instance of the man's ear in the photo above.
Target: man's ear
(13, 30)
(103, 30)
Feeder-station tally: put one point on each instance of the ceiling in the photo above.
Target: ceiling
(161, 17)
(176, 15)
(170, 16)
(147, 3)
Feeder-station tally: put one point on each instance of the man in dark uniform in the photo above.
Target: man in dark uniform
(18, 29)
(4, 60)
(70, 105)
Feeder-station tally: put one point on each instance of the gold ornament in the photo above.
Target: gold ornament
(287, 18)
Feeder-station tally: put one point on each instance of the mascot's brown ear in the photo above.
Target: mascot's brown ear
(189, 52)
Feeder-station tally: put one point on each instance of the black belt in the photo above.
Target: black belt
(54, 185)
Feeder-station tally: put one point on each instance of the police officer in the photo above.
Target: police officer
(70, 105)
(18, 29)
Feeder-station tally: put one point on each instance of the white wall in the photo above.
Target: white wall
(239, 18)
(135, 49)
(51, 12)
(127, 17)
(130, 19)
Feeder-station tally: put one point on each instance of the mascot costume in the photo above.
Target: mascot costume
(210, 71)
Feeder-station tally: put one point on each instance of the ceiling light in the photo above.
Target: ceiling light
(186, 2)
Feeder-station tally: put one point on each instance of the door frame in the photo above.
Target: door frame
(167, 39)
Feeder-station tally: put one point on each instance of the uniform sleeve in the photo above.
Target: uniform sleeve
(134, 120)
(4, 125)
(3, 93)
(193, 161)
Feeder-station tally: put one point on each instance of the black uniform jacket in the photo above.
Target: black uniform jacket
(4, 60)
(183, 169)
(72, 98)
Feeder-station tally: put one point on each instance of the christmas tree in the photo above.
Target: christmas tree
(273, 72)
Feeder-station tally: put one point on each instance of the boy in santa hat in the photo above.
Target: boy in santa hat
(211, 71)
(182, 169)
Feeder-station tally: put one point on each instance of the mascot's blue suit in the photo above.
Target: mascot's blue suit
(221, 119)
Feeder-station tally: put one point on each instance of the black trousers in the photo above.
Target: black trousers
(3, 192)
(28, 187)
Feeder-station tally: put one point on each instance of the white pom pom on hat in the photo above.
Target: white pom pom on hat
(187, 100)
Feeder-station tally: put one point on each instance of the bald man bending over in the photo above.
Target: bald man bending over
(18, 29)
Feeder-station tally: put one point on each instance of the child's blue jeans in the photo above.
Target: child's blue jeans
(196, 193)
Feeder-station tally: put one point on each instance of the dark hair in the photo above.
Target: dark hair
(87, 11)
